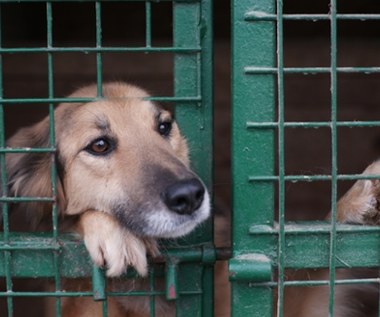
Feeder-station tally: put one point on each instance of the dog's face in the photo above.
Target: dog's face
(124, 156)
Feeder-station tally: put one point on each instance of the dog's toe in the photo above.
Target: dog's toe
(361, 203)
(112, 246)
(94, 249)
(127, 251)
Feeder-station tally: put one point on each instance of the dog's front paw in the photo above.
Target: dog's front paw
(112, 246)
(361, 203)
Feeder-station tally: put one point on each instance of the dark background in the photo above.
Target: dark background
(307, 98)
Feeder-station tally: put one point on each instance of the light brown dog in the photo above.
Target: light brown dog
(123, 169)
(360, 205)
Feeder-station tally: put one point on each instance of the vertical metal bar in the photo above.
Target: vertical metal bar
(253, 99)
(152, 297)
(98, 283)
(4, 186)
(192, 23)
(105, 308)
(148, 23)
(334, 153)
(378, 300)
(206, 91)
(281, 161)
(57, 278)
(99, 62)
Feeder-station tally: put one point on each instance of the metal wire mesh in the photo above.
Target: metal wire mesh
(259, 161)
(54, 255)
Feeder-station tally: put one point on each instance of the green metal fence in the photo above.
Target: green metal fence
(262, 247)
(56, 256)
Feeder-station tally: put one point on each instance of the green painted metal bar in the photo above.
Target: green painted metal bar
(26, 199)
(174, 1)
(148, 24)
(91, 294)
(27, 150)
(7, 255)
(307, 244)
(311, 70)
(313, 125)
(281, 159)
(49, 37)
(309, 178)
(86, 50)
(312, 283)
(152, 298)
(254, 16)
(171, 275)
(253, 96)
(192, 26)
(98, 284)
(206, 76)
(334, 155)
(105, 308)
(187, 99)
(99, 63)
(74, 261)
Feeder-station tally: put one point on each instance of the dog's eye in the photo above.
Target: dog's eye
(164, 128)
(100, 146)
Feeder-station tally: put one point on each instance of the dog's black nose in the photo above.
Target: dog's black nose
(184, 197)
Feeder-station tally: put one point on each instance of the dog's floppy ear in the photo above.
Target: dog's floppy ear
(29, 174)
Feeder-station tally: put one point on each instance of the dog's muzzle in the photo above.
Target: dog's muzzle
(184, 197)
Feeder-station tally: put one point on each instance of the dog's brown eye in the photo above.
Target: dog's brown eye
(164, 128)
(100, 146)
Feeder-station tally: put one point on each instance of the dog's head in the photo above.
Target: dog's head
(122, 155)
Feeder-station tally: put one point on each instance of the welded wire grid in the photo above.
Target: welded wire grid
(192, 98)
(333, 124)
(253, 159)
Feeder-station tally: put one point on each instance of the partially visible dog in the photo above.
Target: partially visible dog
(360, 205)
(123, 170)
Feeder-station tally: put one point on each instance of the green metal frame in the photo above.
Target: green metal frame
(261, 246)
(189, 267)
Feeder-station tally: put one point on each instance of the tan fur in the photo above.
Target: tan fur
(106, 241)
(360, 205)
(114, 201)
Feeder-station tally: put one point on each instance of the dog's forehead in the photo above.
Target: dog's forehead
(107, 113)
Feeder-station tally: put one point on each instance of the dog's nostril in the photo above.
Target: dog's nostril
(184, 197)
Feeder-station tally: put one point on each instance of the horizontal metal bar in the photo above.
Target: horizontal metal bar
(26, 200)
(32, 255)
(317, 227)
(90, 294)
(253, 16)
(337, 282)
(307, 244)
(251, 70)
(141, 293)
(311, 283)
(313, 124)
(154, 1)
(27, 150)
(4, 101)
(86, 50)
(310, 178)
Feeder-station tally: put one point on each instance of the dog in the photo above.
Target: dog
(360, 205)
(123, 181)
